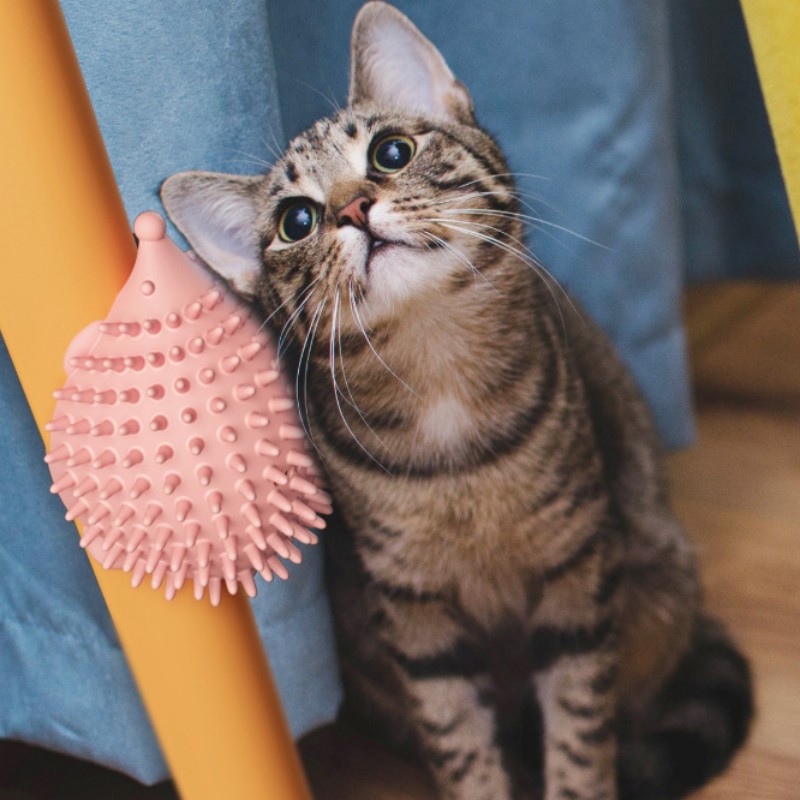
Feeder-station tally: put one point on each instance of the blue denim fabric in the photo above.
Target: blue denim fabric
(736, 216)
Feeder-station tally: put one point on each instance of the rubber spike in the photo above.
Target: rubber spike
(278, 568)
(106, 459)
(90, 534)
(65, 482)
(83, 456)
(276, 475)
(256, 535)
(248, 584)
(137, 537)
(278, 544)
(304, 535)
(231, 548)
(228, 569)
(215, 591)
(297, 459)
(282, 524)
(111, 487)
(171, 589)
(60, 453)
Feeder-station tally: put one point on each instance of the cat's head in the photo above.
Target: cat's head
(396, 199)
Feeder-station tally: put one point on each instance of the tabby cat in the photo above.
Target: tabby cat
(513, 595)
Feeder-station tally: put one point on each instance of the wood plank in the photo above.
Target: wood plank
(746, 346)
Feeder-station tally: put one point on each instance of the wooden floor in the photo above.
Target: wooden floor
(738, 492)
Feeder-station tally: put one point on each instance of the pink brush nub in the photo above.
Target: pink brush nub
(175, 439)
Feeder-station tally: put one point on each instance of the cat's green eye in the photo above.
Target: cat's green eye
(392, 153)
(297, 221)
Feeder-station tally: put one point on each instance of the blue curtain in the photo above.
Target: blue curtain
(736, 216)
(640, 141)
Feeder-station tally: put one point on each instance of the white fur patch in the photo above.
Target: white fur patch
(446, 422)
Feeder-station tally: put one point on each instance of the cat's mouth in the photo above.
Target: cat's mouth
(376, 246)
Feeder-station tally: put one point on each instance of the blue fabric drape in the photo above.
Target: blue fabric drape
(735, 212)
(639, 139)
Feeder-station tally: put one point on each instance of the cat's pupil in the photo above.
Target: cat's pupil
(393, 154)
(297, 222)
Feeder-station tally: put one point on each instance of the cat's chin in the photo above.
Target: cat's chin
(380, 249)
(395, 275)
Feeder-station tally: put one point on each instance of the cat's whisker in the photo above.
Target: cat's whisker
(460, 256)
(282, 338)
(498, 175)
(273, 150)
(514, 190)
(521, 197)
(276, 148)
(521, 251)
(368, 338)
(283, 305)
(337, 392)
(440, 242)
(329, 98)
(306, 351)
(523, 255)
(524, 252)
(494, 212)
(351, 400)
(542, 230)
(452, 203)
(316, 323)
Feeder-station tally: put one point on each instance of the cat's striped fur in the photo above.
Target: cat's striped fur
(505, 554)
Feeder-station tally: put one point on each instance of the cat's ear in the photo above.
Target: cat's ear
(393, 66)
(217, 215)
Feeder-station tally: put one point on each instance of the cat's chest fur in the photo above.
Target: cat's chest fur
(477, 506)
(482, 541)
(444, 422)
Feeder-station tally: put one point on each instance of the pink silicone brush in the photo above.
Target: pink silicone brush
(175, 440)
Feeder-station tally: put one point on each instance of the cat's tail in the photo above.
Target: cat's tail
(699, 720)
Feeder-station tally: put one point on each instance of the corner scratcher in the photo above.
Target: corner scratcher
(175, 440)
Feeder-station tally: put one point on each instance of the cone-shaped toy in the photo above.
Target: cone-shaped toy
(175, 440)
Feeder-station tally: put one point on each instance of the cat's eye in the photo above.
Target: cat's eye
(392, 153)
(297, 221)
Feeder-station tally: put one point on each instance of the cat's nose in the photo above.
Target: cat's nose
(354, 212)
